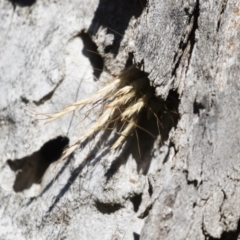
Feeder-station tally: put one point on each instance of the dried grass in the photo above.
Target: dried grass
(122, 101)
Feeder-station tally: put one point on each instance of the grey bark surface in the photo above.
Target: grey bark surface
(186, 183)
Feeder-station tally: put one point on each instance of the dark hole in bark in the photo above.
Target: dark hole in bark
(197, 107)
(194, 182)
(109, 49)
(150, 188)
(136, 201)
(30, 169)
(91, 52)
(129, 61)
(107, 208)
(136, 236)
(24, 100)
(23, 3)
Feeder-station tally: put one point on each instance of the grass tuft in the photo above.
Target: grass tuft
(122, 102)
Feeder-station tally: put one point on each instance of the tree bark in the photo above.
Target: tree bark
(183, 184)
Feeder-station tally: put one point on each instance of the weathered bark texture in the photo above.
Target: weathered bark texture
(186, 183)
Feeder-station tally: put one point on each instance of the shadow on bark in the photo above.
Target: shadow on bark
(150, 126)
(115, 16)
(23, 3)
(136, 236)
(141, 146)
(91, 159)
(232, 235)
(91, 52)
(30, 169)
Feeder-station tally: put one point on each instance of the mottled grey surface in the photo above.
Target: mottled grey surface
(184, 188)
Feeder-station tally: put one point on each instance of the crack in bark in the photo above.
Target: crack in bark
(48, 96)
(146, 211)
(221, 207)
(223, 8)
(195, 183)
(187, 43)
(107, 208)
(206, 236)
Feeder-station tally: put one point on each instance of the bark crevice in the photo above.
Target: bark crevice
(223, 8)
(187, 43)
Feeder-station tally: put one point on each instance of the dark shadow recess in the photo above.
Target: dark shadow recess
(91, 52)
(136, 201)
(30, 169)
(140, 144)
(136, 236)
(115, 16)
(107, 208)
(23, 3)
(197, 107)
(231, 235)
